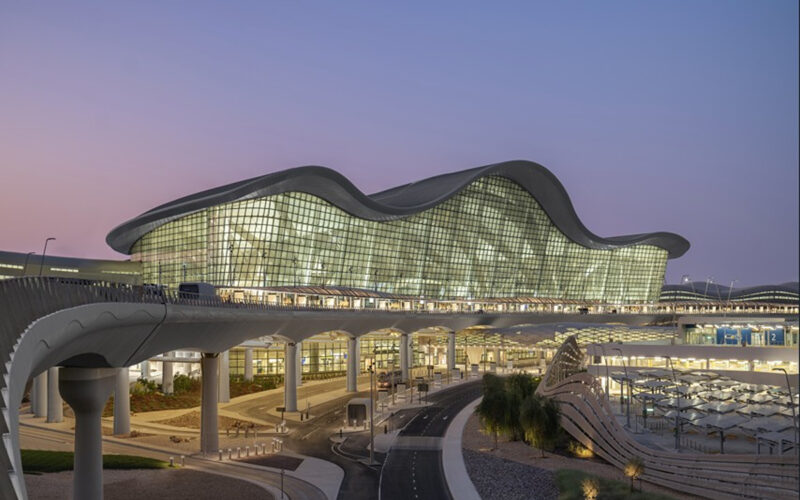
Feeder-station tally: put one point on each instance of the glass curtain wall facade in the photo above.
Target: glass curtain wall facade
(492, 239)
(330, 356)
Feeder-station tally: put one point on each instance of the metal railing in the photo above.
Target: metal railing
(586, 414)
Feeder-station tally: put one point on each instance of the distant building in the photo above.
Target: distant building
(785, 293)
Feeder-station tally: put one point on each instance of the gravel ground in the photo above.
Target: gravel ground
(519, 481)
(473, 439)
(139, 484)
(191, 420)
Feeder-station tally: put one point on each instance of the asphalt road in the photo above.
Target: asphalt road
(413, 467)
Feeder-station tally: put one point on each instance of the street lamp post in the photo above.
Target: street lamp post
(628, 379)
(25, 265)
(791, 402)
(678, 406)
(41, 265)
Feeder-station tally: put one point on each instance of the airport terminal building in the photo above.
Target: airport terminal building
(500, 231)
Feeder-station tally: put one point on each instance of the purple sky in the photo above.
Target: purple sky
(674, 116)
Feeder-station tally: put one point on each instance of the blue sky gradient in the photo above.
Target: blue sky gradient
(676, 116)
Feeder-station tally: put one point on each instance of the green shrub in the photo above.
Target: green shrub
(570, 487)
(143, 386)
(56, 461)
(183, 384)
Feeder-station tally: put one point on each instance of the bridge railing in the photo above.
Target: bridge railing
(81, 291)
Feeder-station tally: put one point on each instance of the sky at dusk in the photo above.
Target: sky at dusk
(674, 116)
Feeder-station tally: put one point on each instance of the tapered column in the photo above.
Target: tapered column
(451, 351)
(122, 402)
(86, 391)
(299, 364)
(167, 375)
(404, 356)
(40, 395)
(224, 378)
(352, 367)
(290, 377)
(55, 409)
(209, 435)
(145, 368)
(248, 364)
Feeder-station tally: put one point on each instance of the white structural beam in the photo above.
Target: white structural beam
(40, 395)
(86, 391)
(209, 434)
(167, 375)
(451, 351)
(352, 366)
(122, 402)
(224, 377)
(55, 408)
(248, 364)
(404, 356)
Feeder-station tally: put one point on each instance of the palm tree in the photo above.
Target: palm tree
(518, 387)
(634, 469)
(540, 418)
(492, 409)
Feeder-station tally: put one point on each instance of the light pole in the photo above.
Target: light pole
(791, 402)
(677, 406)
(729, 298)
(371, 415)
(628, 400)
(25, 265)
(41, 265)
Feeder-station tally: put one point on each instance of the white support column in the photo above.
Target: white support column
(299, 364)
(404, 356)
(451, 351)
(209, 434)
(144, 366)
(86, 391)
(40, 395)
(167, 375)
(122, 402)
(248, 364)
(290, 378)
(352, 365)
(224, 377)
(55, 409)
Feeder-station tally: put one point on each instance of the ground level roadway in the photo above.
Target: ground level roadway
(413, 468)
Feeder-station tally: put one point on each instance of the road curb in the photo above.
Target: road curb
(455, 470)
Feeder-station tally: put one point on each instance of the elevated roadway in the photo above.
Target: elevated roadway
(83, 325)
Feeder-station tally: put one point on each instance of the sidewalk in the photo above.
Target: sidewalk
(455, 470)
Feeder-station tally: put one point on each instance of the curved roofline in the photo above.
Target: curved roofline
(394, 203)
(721, 292)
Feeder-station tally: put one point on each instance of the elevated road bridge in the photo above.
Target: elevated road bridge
(91, 328)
